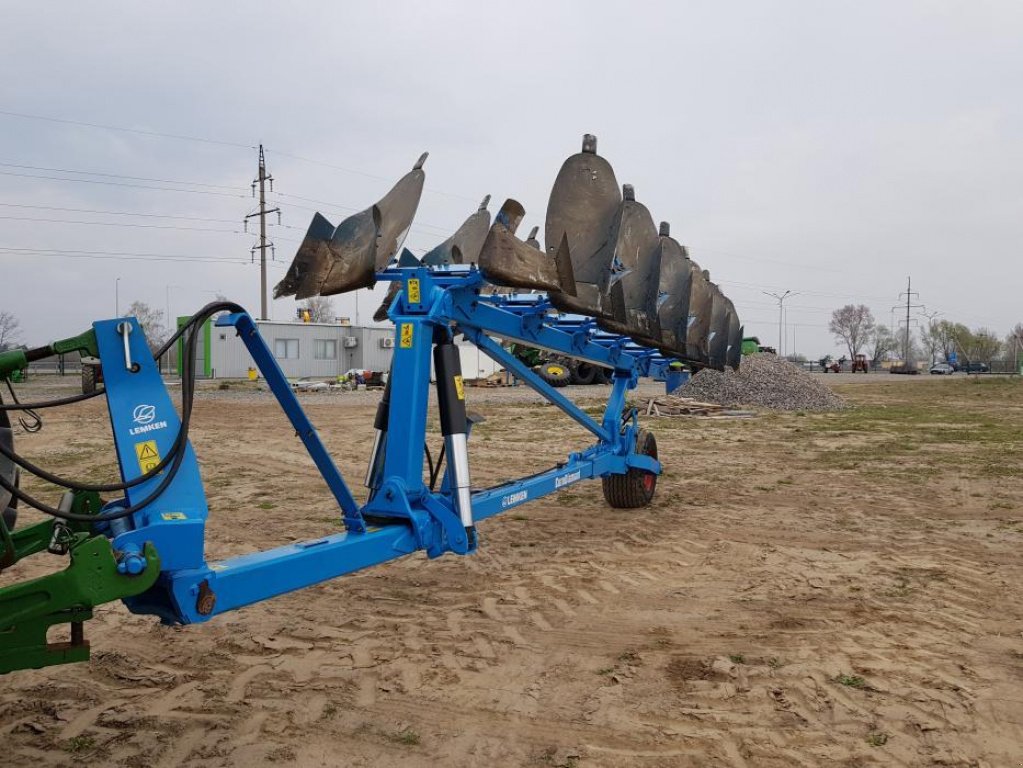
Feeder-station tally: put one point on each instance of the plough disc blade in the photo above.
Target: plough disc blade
(583, 211)
(734, 343)
(311, 262)
(700, 305)
(347, 257)
(674, 287)
(719, 329)
(464, 246)
(506, 260)
(635, 274)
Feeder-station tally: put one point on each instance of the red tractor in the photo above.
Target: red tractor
(860, 364)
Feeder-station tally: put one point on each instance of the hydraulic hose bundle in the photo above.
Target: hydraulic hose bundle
(171, 462)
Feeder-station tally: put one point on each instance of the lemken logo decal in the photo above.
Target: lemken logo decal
(568, 479)
(514, 498)
(144, 416)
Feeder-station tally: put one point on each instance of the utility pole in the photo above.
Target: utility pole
(261, 181)
(909, 293)
(781, 315)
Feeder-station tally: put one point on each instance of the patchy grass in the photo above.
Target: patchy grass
(877, 738)
(852, 681)
(407, 736)
(78, 744)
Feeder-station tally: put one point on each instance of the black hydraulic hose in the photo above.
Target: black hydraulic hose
(103, 487)
(176, 456)
(69, 400)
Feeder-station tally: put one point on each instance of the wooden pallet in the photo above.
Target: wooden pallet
(673, 405)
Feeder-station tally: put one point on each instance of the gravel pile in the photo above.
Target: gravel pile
(763, 381)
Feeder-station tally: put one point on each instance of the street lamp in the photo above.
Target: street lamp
(781, 315)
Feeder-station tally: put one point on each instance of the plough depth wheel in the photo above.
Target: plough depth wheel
(636, 487)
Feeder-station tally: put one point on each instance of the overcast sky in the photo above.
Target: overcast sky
(828, 148)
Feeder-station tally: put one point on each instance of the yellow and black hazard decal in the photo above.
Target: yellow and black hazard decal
(406, 336)
(148, 455)
(414, 296)
(459, 388)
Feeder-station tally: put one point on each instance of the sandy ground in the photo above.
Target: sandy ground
(806, 590)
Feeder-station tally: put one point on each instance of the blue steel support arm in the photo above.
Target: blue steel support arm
(498, 353)
(279, 385)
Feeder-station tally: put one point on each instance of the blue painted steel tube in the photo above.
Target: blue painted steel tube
(247, 579)
(279, 385)
(496, 352)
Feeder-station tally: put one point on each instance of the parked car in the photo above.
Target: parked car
(973, 368)
(942, 369)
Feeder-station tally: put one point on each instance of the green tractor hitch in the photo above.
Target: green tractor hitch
(28, 610)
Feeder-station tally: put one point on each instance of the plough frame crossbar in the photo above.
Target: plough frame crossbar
(154, 559)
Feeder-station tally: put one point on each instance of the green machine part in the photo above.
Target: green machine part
(16, 360)
(28, 610)
(750, 345)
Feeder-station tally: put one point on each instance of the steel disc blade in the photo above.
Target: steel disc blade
(673, 296)
(635, 274)
(583, 211)
(701, 299)
(506, 260)
(349, 255)
(718, 339)
(463, 247)
(312, 260)
(734, 356)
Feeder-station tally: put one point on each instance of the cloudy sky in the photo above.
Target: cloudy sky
(828, 148)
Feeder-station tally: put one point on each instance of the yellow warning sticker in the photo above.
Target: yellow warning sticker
(148, 455)
(414, 296)
(406, 336)
(459, 388)
(173, 516)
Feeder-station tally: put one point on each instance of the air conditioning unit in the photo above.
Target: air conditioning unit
(387, 342)
(351, 342)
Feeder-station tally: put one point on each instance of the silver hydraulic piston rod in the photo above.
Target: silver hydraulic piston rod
(454, 426)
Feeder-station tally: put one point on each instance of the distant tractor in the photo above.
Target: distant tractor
(860, 364)
(830, 365)
(559, 371)
(92, 375)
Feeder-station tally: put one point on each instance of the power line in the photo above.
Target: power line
(122, 129)
(117, 176)
(123, 255)
(121, 184)
(366, 175)
(116, 213)
(122, 224)
(200, 139)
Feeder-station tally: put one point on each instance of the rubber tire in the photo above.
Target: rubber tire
(555, 374)
(603, 376)
(635, 488)
(584, 374)
(88, 379)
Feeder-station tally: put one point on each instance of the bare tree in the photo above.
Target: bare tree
(946, 336)
(151, 321)
(981, 345)
(10, 330)
(1014, 345)
(882, 341)
(320, 309)
(852, 324)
